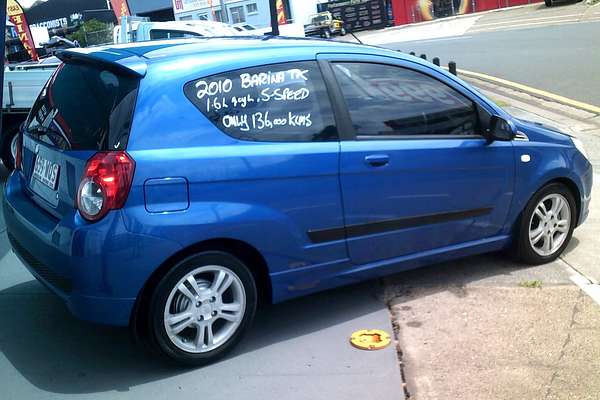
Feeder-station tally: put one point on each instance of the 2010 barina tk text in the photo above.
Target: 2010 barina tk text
(173, 186)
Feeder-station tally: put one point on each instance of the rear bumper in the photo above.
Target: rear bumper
(97, 269)
(100, 310)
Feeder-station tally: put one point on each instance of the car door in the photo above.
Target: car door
(415, 170)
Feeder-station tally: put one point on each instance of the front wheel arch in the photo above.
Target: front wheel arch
(572, 186)
(516, 248)
(569, 183)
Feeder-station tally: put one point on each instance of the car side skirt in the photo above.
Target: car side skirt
(314, 278)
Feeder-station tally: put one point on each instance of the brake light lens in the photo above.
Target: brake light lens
(19, 151)
(105, 184)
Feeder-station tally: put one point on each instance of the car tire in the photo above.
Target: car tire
(546, 225)
(8, 142)
(211, 321)
(343, 31)
(327, 34)
(549, 3)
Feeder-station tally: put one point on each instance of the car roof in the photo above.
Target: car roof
(233, 50)
(152, 50)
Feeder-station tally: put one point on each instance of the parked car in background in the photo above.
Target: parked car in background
(244, 27)
(552, 3)
(247, 29)
(257, 171)
(324, 25)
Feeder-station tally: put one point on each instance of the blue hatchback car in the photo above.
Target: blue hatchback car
(173, 186)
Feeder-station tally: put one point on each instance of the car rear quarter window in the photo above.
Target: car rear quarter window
(386, 100)
(278, 102)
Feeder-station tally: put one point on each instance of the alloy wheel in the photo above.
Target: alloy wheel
(204, 309)
(549, 224)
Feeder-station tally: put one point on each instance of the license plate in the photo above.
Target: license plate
(46, 172)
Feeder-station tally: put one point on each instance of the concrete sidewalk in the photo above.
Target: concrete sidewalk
(499, 342)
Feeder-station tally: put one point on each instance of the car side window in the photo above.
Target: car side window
(279, 102)
(385, 100)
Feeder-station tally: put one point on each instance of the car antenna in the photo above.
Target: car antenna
(357, 39)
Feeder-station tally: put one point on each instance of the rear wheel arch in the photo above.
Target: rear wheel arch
(246, 253)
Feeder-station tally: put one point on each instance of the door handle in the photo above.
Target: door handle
(377, 160)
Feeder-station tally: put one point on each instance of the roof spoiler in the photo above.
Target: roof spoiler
(118, 61)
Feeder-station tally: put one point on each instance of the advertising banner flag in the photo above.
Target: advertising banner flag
(120, 9)
(281, 20)
(17, 17)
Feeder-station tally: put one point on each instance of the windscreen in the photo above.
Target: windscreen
(83, 107)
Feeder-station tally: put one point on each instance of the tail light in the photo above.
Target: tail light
(105, 184)
(19, 151)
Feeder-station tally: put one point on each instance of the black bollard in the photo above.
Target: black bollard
(452, 67)
(424, 56)
(436, 61)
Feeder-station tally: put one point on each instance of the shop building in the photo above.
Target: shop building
(154, 10)
(61, 14)
(253, 12)
(366, 14)
(410, 11)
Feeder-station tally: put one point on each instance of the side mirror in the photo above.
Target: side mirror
(501, 129)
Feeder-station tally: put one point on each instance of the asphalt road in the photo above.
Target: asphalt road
(295, 350)
(562, 59)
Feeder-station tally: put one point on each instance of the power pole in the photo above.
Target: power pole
(274, 20)
(224, 13)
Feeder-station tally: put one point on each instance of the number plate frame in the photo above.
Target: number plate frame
(46, 172)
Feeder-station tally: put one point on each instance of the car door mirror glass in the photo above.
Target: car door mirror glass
(501, 129)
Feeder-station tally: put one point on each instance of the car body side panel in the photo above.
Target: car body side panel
(236, 188)
(549, 161)
(236, 192)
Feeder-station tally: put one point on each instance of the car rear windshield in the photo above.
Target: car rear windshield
(84, 107)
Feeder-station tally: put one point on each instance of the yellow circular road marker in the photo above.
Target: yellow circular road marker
(370, 339)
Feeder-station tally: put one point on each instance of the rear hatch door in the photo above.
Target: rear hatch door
(84, 108)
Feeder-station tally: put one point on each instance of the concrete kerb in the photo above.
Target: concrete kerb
(532, 91)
